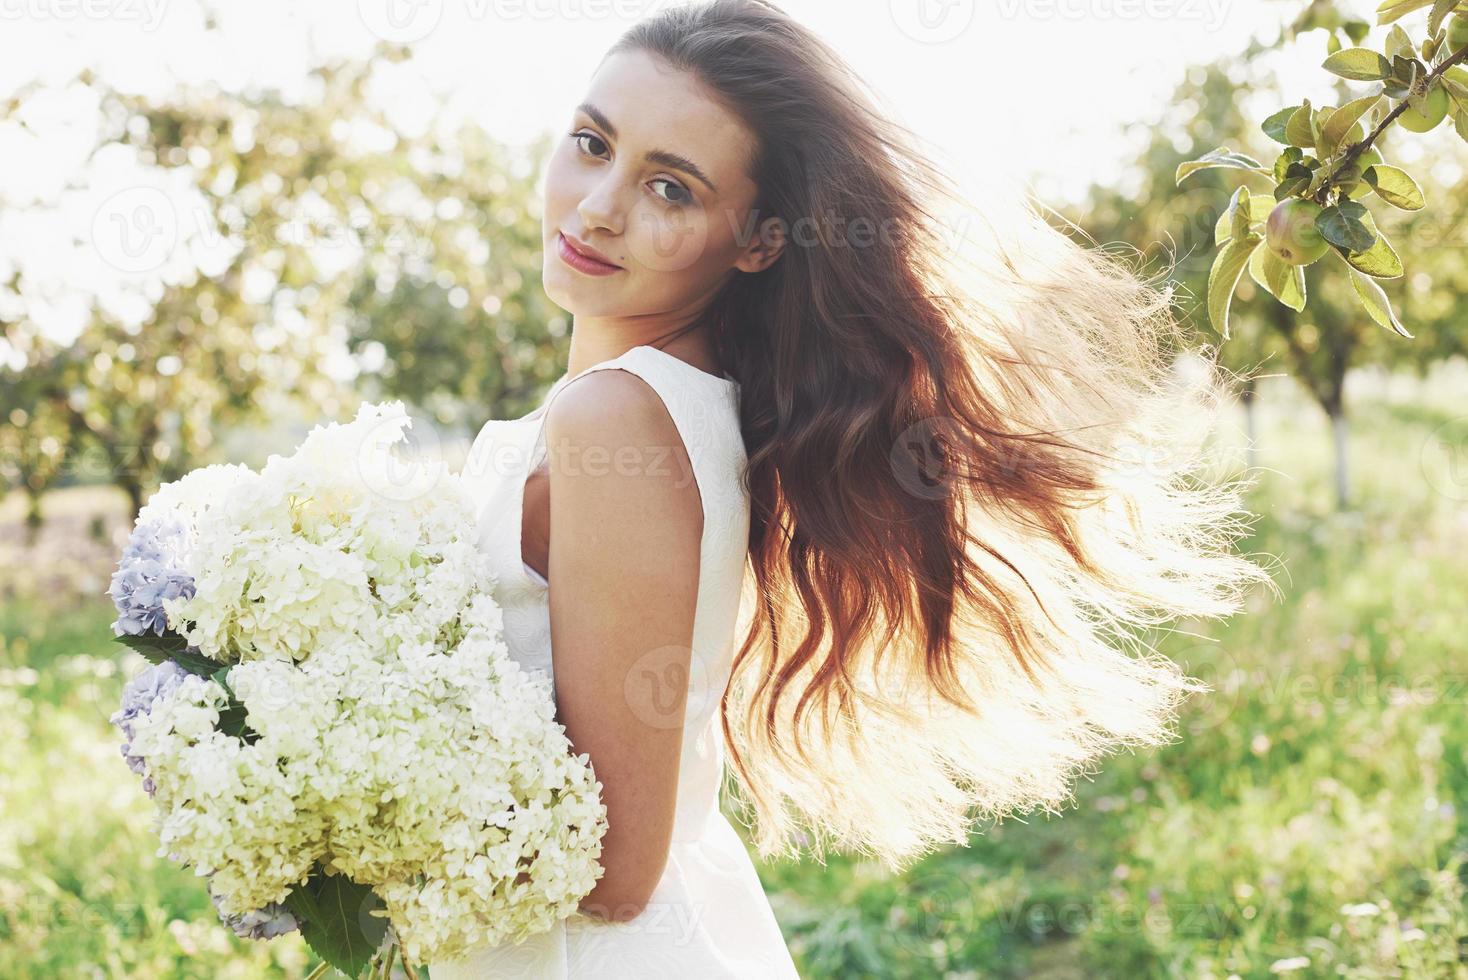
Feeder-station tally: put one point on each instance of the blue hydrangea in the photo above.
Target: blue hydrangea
(138, 698)
(151, 570)
(273, 920)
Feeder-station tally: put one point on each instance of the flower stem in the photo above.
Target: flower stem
(320, 969)
(387, 962)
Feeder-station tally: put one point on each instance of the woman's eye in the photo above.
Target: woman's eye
(579, 136)
(681, 195)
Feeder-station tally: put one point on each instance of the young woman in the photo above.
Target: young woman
(942, 507)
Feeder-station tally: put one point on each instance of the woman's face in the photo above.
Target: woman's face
(651, 173)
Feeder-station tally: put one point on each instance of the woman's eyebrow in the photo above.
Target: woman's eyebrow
(664, 157)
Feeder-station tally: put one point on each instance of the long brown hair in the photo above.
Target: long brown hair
(970, 480)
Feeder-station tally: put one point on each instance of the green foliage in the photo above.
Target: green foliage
(416, 266)
(330, 911)
(170, 646)
(1311, 808)
(1421, 81)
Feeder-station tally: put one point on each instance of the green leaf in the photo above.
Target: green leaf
(1379, 261)
(1221, 157)
(1274, 126)
(1391, 10)
(1317, 123)
(1440, 11)
(1375, 300)
(232, 718)
(232, 721)
(1405, 70)
(1395, 186)
(1224, 277)
(173, 647)
(1282, 163)
(1281, 280)
(1343, 119)
(1342, 226)
(1358, 64)
(330, 910)
(1296, 178)
(1297, 127)
(1397, 41)
(1238, 213)
(1457, 91)
(1259, 207)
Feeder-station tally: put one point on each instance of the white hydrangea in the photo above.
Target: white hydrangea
(195, 492)
(324, 544)
(394, 740)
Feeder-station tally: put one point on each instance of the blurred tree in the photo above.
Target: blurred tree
(33, 439)
(1148, 213)
(1322, 343)
(266, 261)
(466, 331)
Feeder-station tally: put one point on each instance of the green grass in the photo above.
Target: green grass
(1311, 822)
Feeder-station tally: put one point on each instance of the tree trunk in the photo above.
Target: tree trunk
(1342, 484)
(1249, 395)
(33, 516)
(134, 491)
(1339, 344)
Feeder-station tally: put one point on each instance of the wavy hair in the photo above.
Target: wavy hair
(974, 475)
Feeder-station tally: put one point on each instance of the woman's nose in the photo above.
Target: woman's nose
(601, 207)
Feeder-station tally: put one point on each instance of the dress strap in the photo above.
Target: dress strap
(705, 411)
(700, 404)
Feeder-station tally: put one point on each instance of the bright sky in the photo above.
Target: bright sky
(1042, 83)
(1031, 91)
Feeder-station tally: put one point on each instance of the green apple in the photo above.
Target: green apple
(1458, 32)
(1351, 179)
(1437, 111)
(1291, 234)
(1369, 158)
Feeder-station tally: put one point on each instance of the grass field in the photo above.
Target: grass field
(1311, 821)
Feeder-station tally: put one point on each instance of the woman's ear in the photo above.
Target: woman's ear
(766, 247)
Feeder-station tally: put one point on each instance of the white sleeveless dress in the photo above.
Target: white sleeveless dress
(709, 918)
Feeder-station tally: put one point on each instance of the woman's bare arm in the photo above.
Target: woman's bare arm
(626, 522)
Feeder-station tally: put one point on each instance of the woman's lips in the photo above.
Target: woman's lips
(580, 262)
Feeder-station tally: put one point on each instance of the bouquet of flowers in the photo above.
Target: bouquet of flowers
(332, 729)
